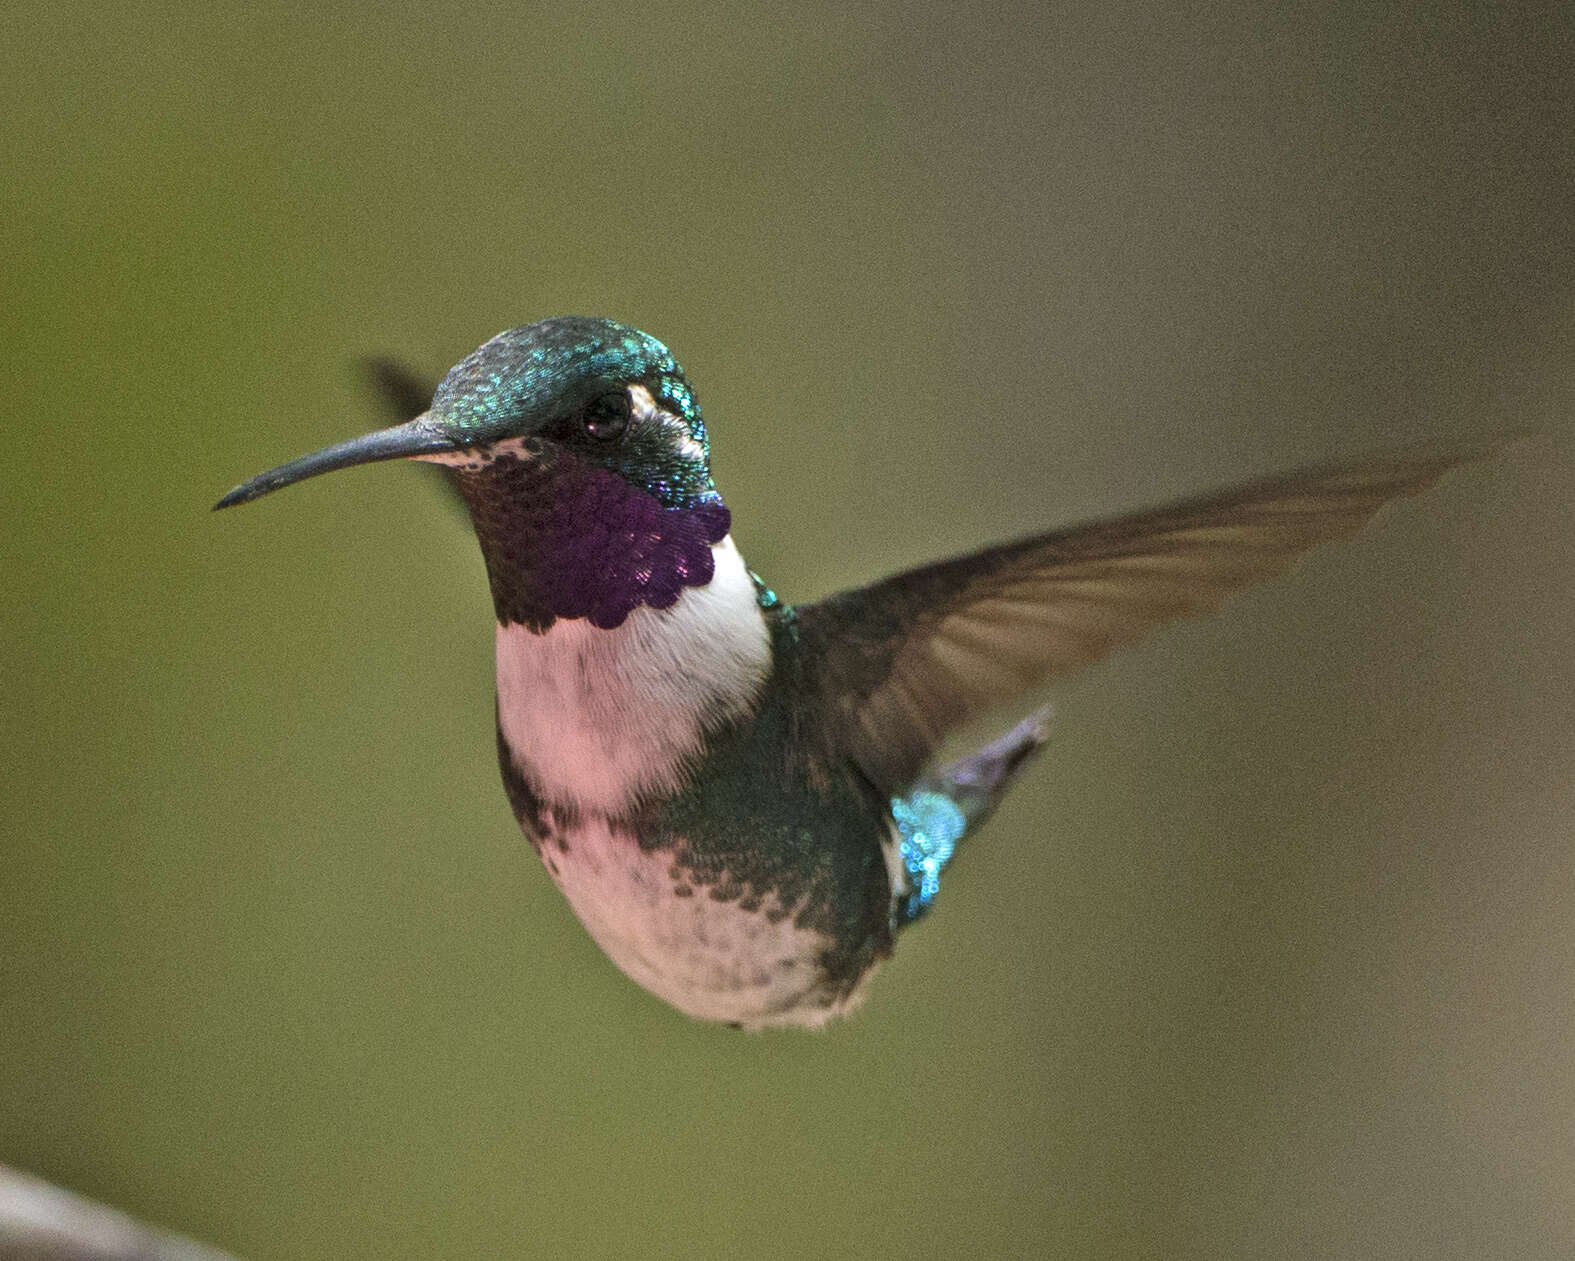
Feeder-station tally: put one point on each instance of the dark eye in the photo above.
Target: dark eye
(606, 417)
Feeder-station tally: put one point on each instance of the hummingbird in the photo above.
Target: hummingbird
(735, 793)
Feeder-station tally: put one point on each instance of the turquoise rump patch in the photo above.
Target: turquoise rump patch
(930, 826)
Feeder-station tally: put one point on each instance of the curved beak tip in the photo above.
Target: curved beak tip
(414, 438)
(241, 494)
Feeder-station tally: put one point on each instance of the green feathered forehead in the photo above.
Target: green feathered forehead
(527, 376)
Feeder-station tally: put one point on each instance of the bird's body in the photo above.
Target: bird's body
(652, 766)
(730, 791)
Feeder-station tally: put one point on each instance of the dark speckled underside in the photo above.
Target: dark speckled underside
(765, 824)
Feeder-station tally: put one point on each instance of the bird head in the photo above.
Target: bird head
(579, 449)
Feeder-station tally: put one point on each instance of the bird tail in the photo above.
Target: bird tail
(940, 808)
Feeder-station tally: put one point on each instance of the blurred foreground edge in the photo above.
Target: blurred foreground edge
(41, 1222)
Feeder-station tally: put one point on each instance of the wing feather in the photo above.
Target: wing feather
(900, 663)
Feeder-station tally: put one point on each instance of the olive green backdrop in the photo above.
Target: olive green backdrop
(1273, 954)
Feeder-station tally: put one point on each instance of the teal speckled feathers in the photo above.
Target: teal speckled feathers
(523, 374)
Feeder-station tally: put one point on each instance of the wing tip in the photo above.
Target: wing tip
(399, 389)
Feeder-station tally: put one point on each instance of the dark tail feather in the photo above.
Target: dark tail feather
(979, 781)
(936, 812)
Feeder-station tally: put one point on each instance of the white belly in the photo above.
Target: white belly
(713, 960)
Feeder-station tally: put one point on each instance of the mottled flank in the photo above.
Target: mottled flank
(714, 958)
(768, 820)
(563, 538)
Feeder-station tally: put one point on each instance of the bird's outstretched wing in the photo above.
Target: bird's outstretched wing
(898, 664)
(403, 393)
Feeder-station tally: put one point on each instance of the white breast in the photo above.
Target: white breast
(599, 719)
(710, 959)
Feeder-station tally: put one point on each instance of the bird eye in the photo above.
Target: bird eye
(607, 416)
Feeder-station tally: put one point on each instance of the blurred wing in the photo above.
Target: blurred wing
(404, 395)
(901, 662)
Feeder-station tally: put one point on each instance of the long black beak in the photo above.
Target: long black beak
(417, 437)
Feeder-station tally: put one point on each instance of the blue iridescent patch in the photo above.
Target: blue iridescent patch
(930, 826)
(765, 597)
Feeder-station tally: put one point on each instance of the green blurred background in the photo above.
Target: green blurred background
(1274, 952)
